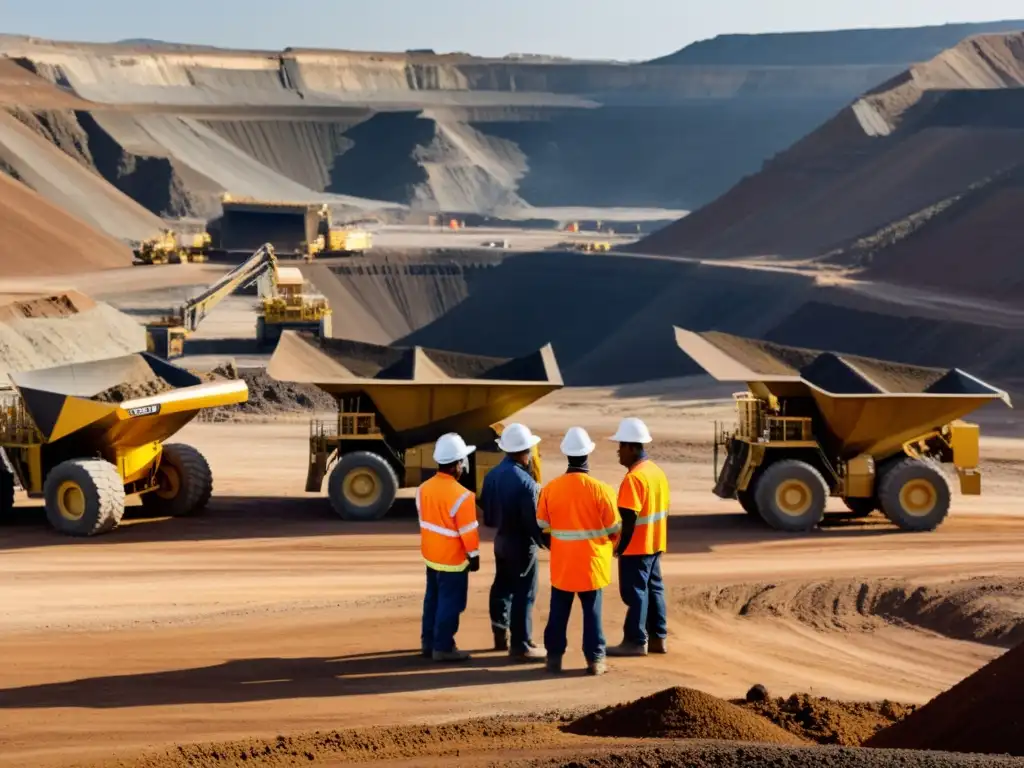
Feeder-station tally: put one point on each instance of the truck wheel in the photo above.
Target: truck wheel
(362, 486)
(915, 495)
(185, 483)
(6, 490)
(84, 497)
(748, 501)
(860, 507)
(791, 496)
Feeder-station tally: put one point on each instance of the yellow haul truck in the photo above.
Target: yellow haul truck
(873, 433)
(393, 404)
(65, 438)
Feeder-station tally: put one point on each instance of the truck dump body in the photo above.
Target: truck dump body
(62, 400)
(816, 424)
(418, 393)
(868, 406)
(247, 225)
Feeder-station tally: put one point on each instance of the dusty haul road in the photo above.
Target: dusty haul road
(269, 616)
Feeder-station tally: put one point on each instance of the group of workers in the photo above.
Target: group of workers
(581, 519)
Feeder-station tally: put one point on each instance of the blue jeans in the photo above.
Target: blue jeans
(555, 641)
(444, 600)
(643, 592)
(513, 594)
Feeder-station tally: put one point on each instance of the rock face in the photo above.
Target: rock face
(174, 127)
(906, 180)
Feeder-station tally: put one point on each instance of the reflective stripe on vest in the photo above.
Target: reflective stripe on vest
(448, 532)
(648, 519)
(576, 535)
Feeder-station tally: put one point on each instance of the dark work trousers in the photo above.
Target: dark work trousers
(555, 641)
(513, 593)
(443, 602)
(643, 592)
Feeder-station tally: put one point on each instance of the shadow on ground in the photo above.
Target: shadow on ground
(252, 680)
(241, 518)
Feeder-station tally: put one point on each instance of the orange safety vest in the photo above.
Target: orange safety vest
(644, 490)
(448, 524)
(580, 514)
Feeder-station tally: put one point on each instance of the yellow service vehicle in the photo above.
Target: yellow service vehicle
(394, 403)
(65, 440)
(166, 248)
(844, 427)
(290, 307)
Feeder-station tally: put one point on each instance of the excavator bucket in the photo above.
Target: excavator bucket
(868, 406)
(119, 403)
(419, 394)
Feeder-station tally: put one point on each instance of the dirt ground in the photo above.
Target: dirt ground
(270, 616)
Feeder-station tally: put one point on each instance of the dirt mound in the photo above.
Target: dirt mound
(39, 238)
(846, 723)
(268, 398)
(983, 713)
(19, 86)
(680, 713)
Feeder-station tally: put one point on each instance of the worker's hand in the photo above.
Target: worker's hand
(474, 564)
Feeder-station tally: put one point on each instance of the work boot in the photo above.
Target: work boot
(528, 654)
(597, 667)
(554, 664)
(626, 648)
(500, 640)
(453, 655)
(656, 645)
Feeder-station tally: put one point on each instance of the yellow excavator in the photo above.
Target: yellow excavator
(280, 306)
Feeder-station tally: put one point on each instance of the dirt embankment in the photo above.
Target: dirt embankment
(922, 139)
(38, 237)
(978, 609)
(983, 713)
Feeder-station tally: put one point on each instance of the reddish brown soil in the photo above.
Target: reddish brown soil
(39, 238)
(23, 88)
(681, 713)
(982, 713)
(846, 723)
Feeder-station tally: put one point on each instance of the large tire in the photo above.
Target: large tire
(362, 486)
(860, 507)
(186, 483)
(748, 500)
(6, 490)
(791, 496)
(914, 494)
(84, 497)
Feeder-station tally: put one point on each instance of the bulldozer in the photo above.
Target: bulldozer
(843, 427)
(283, 304)
(342, 240)
(393, 403)
(63, 440)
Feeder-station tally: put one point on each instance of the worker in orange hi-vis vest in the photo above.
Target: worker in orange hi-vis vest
(579, 513)
(643, 503)
(450, 544)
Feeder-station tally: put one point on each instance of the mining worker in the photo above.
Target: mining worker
(643, 503)
(579, 512)
(450, 544)
(508, 499)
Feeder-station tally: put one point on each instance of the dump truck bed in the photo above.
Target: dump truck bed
(868, 406)
(418, 393)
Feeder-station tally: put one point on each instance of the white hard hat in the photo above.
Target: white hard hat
(577, 442)
(632, 430)
(516, 438)
(451, 448)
